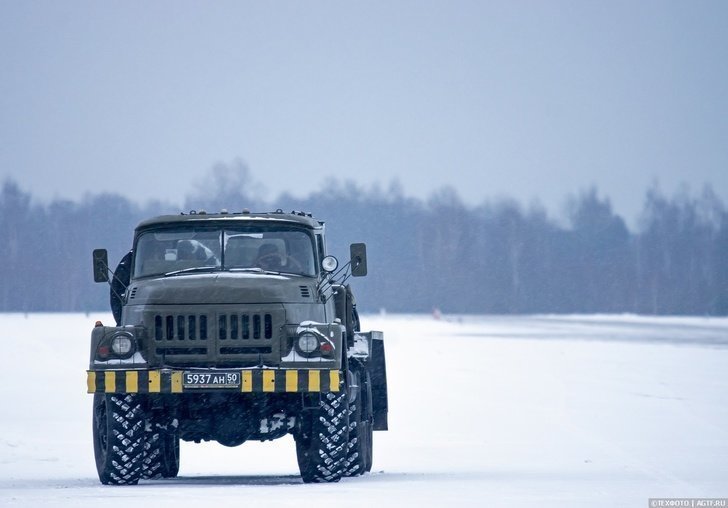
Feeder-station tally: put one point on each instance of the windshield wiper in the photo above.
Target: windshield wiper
(192, 270)
(254, 269)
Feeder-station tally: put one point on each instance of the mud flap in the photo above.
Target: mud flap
(378, 373)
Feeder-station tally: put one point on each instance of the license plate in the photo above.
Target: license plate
(219, 379)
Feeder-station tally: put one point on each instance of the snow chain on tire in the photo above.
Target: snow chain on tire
(119, 438)
(322, 450)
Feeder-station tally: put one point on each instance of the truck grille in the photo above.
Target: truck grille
(245, 326)
(216, 337)
(180, 327)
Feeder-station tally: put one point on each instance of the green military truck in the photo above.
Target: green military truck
(233, 327)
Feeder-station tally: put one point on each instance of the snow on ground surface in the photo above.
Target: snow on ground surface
(547, 411)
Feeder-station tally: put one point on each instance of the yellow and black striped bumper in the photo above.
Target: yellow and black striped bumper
(252, 381)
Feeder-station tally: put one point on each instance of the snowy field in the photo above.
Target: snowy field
(541, 411)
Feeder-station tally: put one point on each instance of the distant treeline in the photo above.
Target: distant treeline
(439, 253)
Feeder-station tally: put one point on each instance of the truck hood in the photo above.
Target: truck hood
(222, 288)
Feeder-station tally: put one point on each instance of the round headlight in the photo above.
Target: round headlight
(329, 264)
(122, 345)
(307, 343)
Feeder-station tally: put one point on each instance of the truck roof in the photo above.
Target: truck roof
(299, 218)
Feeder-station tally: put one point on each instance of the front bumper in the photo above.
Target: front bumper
(252, 381)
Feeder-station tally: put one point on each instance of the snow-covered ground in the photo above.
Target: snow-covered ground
(597, 411)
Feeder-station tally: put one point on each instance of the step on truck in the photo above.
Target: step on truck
(233, 327)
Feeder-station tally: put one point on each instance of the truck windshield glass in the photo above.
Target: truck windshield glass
(188, 251)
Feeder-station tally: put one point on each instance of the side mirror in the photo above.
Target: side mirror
(358, 259)
(101, 265)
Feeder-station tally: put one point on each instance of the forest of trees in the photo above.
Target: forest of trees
(495, 258)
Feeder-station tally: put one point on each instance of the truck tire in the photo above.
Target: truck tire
(322, 442)
(369, 407)
(171, 453)
(118, 432)
(161, 451)
(361, 438)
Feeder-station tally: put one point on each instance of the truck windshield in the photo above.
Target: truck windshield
(189, 250)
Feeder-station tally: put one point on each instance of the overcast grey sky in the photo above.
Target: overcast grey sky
(522, 99)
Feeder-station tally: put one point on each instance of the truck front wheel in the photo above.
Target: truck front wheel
(322, 440)
(118, 432)
(161, 449)
(360, 456)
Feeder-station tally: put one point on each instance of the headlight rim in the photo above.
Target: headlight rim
(307, 354)
(123, 355)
